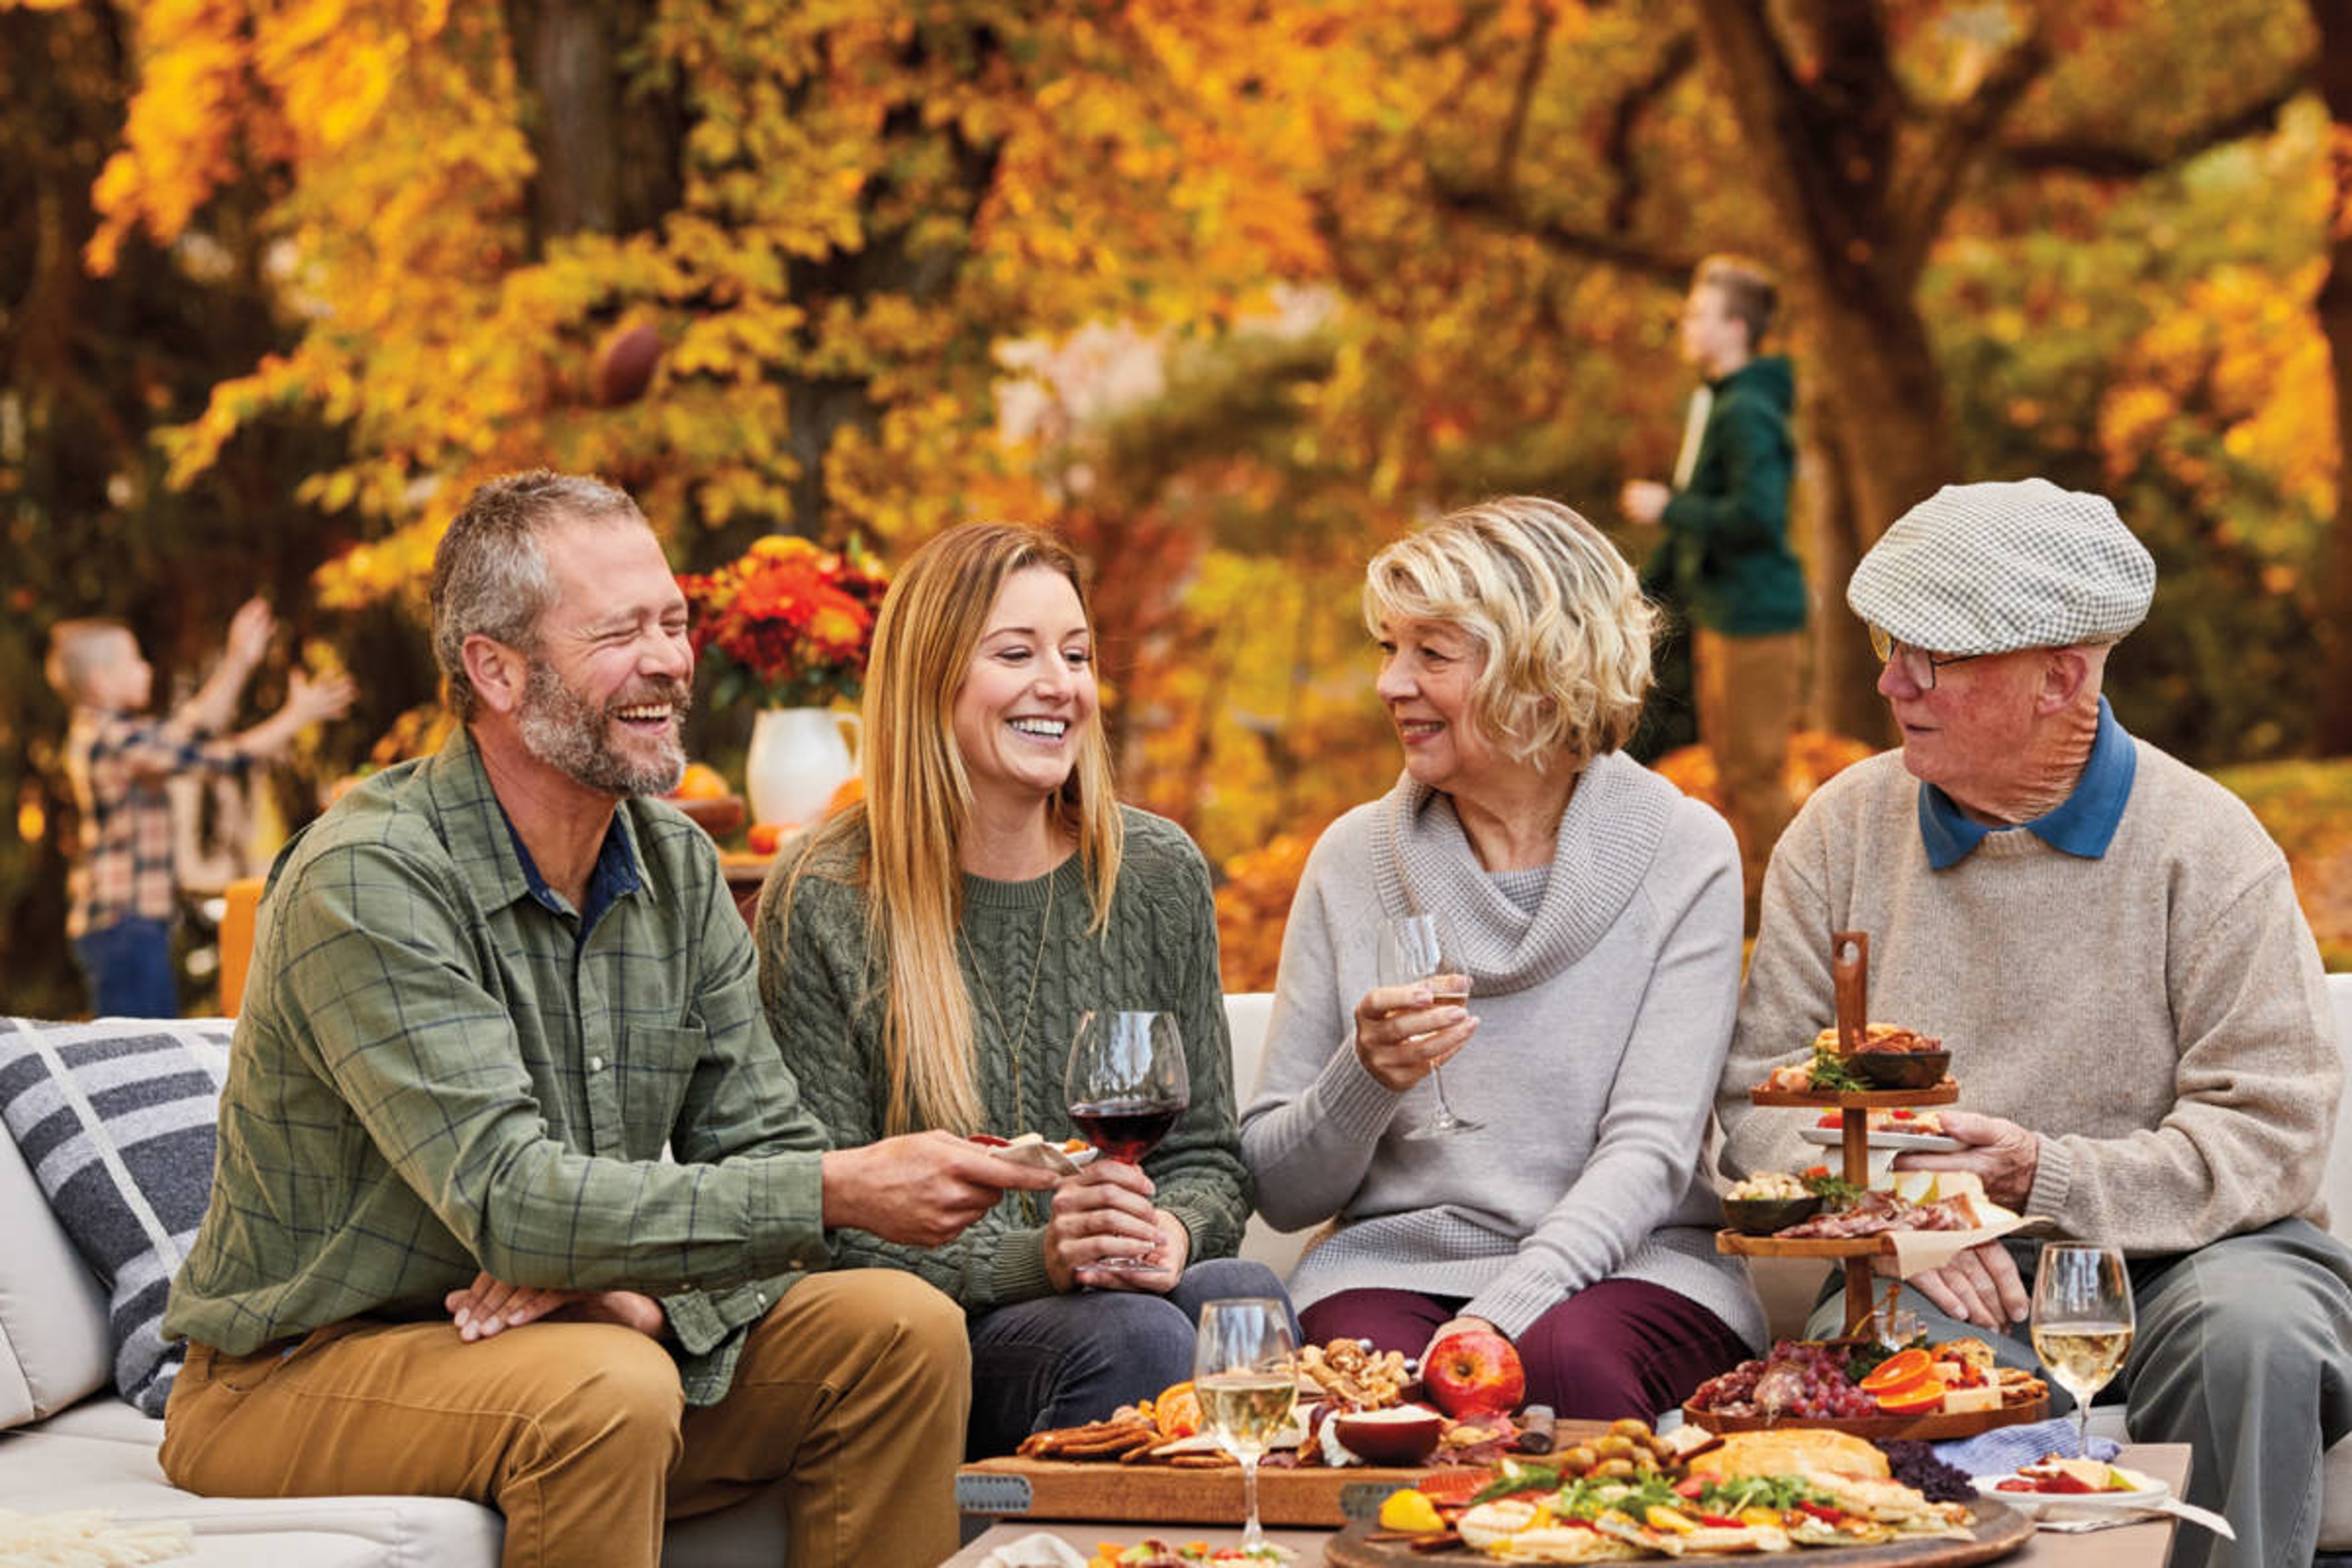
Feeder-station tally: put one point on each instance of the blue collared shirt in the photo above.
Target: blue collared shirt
(2083, 824)
(615, 874)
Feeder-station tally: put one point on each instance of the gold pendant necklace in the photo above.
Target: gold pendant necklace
(1015, 1043)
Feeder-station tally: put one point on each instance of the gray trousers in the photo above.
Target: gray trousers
(2244, 1351)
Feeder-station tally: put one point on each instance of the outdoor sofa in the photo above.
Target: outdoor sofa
(70, 1442)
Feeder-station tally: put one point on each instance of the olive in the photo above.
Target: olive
(1614, 1469)
(1613, 1446)
(1579, 1461)
(1631, 1426)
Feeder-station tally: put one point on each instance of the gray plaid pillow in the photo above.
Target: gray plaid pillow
(115, 1120)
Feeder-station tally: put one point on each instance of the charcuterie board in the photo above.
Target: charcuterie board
(1315, 1495)
(1998, 1530)
(1927, 1427)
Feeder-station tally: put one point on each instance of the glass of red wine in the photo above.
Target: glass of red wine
(1126, 1085)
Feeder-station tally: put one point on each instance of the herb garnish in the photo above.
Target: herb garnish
(1835, 1191)
(1832, 1076)
(1517, 1477)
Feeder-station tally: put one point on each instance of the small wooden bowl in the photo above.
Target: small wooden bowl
(1763, 1216)
(1901, 1069)
(717, 817)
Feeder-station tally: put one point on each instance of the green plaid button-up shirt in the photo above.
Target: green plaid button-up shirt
(435, 1073)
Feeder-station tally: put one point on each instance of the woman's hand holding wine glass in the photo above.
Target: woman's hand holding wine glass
(1105, 1213)
(2082, 1320)
(1396, 1039)
(1126, 1085)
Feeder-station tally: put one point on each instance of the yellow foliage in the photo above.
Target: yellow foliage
(2243, 349)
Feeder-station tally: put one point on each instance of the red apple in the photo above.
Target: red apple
(1473, 1371)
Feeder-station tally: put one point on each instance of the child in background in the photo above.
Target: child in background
(123, 887)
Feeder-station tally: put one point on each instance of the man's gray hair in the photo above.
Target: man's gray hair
(490, 577)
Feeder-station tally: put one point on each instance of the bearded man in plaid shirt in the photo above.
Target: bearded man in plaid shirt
(516, 1200)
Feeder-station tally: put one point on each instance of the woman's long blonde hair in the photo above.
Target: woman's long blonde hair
(917, 805)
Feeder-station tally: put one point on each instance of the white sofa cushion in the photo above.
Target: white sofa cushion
(101, 1455)
(53, 1346)
(115, 1120)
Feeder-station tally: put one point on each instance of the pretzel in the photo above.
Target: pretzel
(1095, 1440)
(2019, 1386)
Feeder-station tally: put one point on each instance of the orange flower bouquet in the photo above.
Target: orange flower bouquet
(791, 621)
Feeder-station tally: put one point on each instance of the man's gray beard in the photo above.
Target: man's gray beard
(564, 730)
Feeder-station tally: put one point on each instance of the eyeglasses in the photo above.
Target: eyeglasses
(1919, 666)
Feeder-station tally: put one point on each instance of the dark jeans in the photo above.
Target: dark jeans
(1064, 1360)
(1624, 1347)
(129, 967)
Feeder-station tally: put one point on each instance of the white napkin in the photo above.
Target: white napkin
(1034, 1551)
(1917, 1251)
(1029, 1148)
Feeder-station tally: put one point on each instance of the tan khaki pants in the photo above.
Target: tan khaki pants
(855, 1387)
(1747, 708)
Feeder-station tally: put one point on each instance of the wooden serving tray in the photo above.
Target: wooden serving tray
(1314, 1495)
(1943, 1093)
(2000, 1531)
(1740, 1243)
(1923, 1427)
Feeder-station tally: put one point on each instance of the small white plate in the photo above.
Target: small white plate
(2034, 1504)
(1831, 1136)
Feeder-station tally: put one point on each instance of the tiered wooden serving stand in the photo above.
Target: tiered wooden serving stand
(1850, 964)
(1854, 1124)
(1850, 972)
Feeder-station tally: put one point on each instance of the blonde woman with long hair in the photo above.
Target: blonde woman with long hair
(924, 956)
(1596, 911)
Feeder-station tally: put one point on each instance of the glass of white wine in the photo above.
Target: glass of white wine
(2082, 1321)
(1245, 1375)
(1416, 948)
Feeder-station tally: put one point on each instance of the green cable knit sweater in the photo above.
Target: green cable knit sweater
(822, 990)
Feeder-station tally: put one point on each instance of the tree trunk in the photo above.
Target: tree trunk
(2334, 65)
(564, 54)
(1841, 692)
(1825, 151)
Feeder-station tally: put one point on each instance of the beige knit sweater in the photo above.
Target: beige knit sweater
(2157, 1015)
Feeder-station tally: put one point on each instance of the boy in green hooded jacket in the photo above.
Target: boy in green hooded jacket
(1725, 559)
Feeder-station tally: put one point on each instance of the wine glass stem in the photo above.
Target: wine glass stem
(1437, 1082)
(1251, 1534)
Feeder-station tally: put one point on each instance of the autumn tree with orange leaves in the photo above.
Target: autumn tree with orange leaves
(297, 275)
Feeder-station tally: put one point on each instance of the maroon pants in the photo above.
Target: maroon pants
(1623, 1347)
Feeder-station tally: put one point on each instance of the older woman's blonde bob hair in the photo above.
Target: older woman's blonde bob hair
(1557, 612)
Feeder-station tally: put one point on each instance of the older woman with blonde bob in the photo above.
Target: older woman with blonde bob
(924, 956)
(1597, 911)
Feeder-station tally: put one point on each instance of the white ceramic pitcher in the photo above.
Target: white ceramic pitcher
(799, 757)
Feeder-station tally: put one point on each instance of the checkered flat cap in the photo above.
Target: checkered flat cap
(1991, 568)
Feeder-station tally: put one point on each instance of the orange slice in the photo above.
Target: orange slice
(1177, 1411)
(1925, 1397)
(1904, 1369)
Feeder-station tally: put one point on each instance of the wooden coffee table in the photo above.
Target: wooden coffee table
(2142, 1545)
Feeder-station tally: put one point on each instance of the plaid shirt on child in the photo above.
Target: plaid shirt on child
(117, 765)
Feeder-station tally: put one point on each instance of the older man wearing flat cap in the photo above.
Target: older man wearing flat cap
(2112, 948)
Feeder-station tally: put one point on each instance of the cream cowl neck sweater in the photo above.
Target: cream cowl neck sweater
(1604, 1015)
